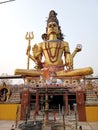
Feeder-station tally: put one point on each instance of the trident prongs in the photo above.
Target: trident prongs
(29, 36)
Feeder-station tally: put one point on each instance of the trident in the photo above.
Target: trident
(29, 36)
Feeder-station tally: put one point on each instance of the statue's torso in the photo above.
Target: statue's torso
(53, 52)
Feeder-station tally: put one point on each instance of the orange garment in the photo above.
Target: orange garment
(45, 74)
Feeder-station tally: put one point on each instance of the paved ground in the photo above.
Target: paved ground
(70, 123)
(6, 125)
(89, 125)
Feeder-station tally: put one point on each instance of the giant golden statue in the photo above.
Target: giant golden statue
(53, 48)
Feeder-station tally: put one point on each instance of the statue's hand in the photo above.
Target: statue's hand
(35, 50)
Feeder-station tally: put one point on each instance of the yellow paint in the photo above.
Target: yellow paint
(92, 113)
(8, 111)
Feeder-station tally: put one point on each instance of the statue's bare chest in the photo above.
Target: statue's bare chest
(52, 49)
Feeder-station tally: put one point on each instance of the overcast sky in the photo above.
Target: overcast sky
(78, 20)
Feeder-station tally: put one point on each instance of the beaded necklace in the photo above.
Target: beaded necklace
(52, 58)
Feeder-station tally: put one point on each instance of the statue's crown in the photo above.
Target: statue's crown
(52, 17)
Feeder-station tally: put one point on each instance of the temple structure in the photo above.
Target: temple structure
(54, 84)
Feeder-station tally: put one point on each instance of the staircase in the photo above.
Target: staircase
(91, 98)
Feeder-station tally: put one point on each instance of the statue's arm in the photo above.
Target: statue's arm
(68, 58)
(29, 55)
(37, 54)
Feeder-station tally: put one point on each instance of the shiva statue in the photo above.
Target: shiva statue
(53, 48)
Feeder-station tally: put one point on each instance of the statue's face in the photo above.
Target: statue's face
(52, 28)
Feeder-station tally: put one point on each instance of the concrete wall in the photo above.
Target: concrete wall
(8, 111)
(91, 113)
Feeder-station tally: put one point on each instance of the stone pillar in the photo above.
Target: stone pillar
(25, 104)
(80, 105)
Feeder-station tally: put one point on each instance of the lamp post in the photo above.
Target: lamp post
(46, 110)
(75, 109)
(43, 111)
(63, 114)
